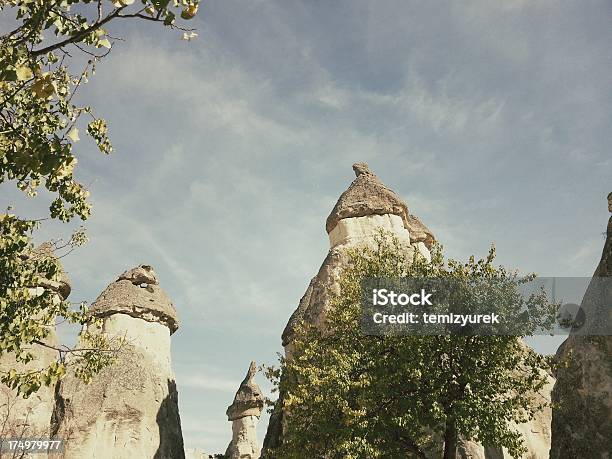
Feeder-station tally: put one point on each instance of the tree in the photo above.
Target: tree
(39, 128)
(350, 395)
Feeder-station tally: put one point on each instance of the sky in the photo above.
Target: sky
(491, 119)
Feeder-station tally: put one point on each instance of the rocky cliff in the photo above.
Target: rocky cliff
(582, 422)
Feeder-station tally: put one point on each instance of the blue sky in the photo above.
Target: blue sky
(492, 120)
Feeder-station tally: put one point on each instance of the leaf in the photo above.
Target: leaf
(43, 87)
(189, 12)
(24, 73)
(74, 134)
(9, 75)
(104, 43)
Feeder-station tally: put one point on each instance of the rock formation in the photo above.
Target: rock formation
(536, 435)
(361, 211)
(356, 219)
(130, 409)
(244, 413)
(27, 418)
(582, 423)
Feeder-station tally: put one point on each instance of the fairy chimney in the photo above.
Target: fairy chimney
(582, 419)
(366, 207)
(244, 413)
(130, 409)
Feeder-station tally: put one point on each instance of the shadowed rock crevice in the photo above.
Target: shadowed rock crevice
(169, 424)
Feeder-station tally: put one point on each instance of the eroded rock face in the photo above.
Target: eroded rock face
(536, 434)
(244, 413)
(27, 418)
(419, 232)
(130, 409)
(582, 420)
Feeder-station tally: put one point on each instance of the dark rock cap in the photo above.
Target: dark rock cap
(137, 293)
(367, 195)
(248, 400)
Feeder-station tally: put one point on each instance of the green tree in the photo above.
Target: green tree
(53, 48)
(350, 395)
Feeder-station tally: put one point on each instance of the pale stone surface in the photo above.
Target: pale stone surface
(244, 413)
(537, 433)
(130, 409)
(419, 232)
(359, 230)
(194, 453)
(22, 418)
(423, 250)
(244, 443)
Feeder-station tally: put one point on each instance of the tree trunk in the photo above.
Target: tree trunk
(450, 440)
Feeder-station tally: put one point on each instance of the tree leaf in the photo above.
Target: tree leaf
(24, 73)
(74, 134)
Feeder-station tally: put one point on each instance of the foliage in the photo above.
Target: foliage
(348, 395)
(39, 128)
(28, 311)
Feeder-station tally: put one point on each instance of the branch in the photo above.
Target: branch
(78, 36)
(153, 19)
(66, 349)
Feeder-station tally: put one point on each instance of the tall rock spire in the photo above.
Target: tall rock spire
(244, 413)
(130, 409)
(582, 410)
(361, 211)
